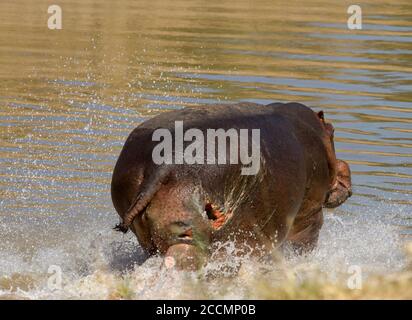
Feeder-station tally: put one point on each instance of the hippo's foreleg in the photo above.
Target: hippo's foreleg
(304, 234)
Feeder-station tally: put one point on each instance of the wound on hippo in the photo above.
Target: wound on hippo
(215, 214)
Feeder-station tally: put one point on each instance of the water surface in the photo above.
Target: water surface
(69, 98)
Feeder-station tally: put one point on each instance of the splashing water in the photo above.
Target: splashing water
(100, 265)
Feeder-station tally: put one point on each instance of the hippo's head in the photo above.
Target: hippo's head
(174, 224)
(341, 186)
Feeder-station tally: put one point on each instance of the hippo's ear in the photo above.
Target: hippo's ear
(321, 116)
(328, 126)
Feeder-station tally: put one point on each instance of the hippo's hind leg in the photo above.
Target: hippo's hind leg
(304, 234)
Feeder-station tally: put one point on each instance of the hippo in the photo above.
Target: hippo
(181, 208)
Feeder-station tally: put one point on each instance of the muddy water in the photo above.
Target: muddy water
(69, 98)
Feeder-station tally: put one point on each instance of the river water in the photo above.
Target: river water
(70, 97)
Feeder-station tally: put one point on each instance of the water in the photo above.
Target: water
(69, 98)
